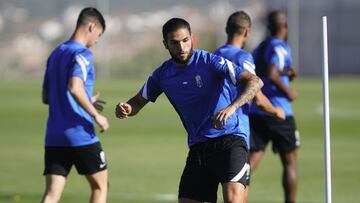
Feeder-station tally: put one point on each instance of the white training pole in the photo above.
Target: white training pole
(326, 111)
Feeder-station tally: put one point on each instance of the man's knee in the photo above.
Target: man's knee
(289, 159)
(233, 192)
(99, 185)
(54, 188)
(51, 196)
(98, 181)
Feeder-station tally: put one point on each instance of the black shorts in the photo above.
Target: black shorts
(219, 160)
(87, 159)
(283, 134)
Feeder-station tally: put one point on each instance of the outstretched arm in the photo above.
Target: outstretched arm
(274, 77)
(77, 90)
(131, 107)
(263, 102)
(252, 85)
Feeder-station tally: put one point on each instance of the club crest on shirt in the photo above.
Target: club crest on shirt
(199, 82)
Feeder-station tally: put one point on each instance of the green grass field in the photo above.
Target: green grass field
(146, 154)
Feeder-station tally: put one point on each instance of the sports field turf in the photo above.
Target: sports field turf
(146, 154)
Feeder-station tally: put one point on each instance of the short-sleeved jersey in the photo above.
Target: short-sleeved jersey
(273, 51)
(198, 90)
(68, 123)
(241, 58)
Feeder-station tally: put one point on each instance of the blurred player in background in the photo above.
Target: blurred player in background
(238, 29)
(70, 134)
(274, 66)
(199, 86)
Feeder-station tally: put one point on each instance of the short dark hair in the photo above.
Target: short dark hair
(237, 22)
(275, 22)
(90, 14)
(174, 24)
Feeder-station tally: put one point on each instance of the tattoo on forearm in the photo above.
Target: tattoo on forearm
(252, 87)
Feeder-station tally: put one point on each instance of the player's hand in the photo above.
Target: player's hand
(280, 113)
(292, 94)
(98, 104)
(292, 73)
(123, 110)
(102, 122)
(222, 116)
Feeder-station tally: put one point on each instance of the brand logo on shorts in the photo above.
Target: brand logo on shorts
(103, 160)
(297, 137)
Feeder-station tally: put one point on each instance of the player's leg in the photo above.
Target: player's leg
(259, 138)
(90, 161)
(232, 166)
(289, 178)
(233, 192)
(58, 162)
(286, 142)
(255, 158)
(99, 186)
(197, 184)
(246, 194)
(54, 187)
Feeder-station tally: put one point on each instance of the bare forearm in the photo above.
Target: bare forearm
(136, 103)
(77, 90)
(263, 102)
(280, 85)
(252, 86)
(82, 99)
(275, 78)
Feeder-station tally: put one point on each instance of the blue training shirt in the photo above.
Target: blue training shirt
(241, 58)
(68, 123)
(277, 52)
(198, 90)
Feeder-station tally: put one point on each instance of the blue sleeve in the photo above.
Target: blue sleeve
(276, 55)
(151, 89)
(226, 68)
(247, 62)
(82, 65)
(288, 62)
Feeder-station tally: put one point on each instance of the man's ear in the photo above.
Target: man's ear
(246, 32)
(91, 27)
(165, 44)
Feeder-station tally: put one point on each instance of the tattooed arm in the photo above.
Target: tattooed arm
(252, 84)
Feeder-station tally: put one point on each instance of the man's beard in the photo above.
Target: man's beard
(180, 61)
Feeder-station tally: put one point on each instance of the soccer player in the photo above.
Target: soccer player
(274, 66)
(198, 84)
(238, 29)
(68, 90)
